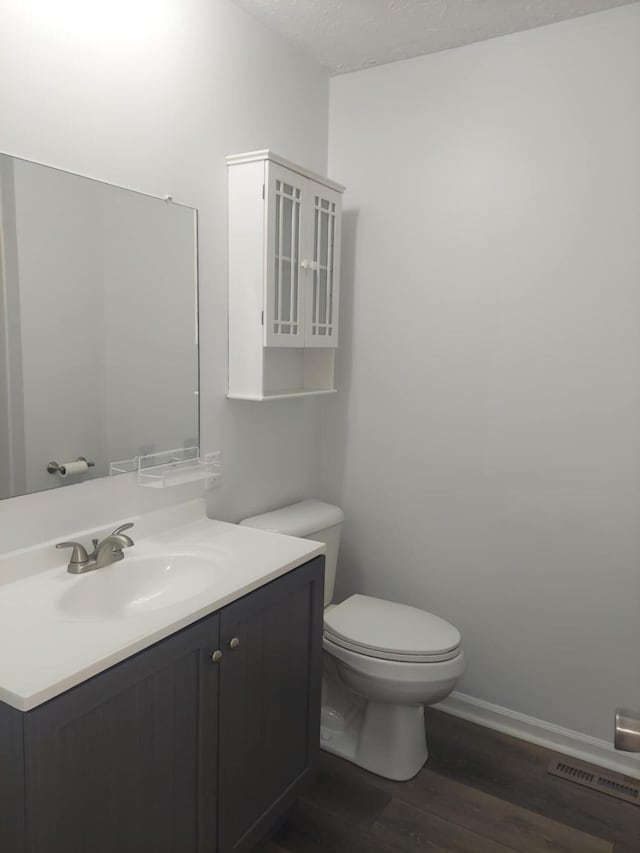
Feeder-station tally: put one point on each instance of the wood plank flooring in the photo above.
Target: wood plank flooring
(480, 792)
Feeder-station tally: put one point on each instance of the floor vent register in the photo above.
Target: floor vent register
(597, 778)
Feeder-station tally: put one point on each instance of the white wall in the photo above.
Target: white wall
(152, 95)
(486, 441)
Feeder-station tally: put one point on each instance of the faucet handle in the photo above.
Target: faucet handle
(78, 555)
(127, 539)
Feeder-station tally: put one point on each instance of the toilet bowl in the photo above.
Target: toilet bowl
(383, 661)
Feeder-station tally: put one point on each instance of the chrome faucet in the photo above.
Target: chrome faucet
(105, 552)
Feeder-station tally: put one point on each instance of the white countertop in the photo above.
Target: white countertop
(44, 651)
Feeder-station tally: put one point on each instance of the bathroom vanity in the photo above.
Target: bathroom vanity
(169, 701)
(200, 739)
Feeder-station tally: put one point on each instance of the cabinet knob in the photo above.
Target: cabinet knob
(216, 656)
(305, 264)
(234, 643)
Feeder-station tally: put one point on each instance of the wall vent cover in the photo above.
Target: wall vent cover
(597, 778)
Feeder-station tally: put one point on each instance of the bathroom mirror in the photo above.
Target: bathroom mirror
(98, 326)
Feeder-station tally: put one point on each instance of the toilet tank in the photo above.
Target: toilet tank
(309, 520)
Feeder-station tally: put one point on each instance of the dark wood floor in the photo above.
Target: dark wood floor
(480, 792)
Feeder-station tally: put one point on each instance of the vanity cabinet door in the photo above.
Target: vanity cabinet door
(114, 765)
(270, 677)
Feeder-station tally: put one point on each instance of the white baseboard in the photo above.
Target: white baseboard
(545, 734)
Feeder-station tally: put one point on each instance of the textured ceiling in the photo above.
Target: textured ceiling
(344, 35)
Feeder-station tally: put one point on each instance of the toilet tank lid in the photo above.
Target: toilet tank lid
(301, 519)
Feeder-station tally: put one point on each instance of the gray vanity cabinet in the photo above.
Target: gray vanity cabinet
(270, 678)
(12, 817)
(172, 751)
(112, 765)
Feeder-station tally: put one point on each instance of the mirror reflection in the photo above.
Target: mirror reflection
(98, 327)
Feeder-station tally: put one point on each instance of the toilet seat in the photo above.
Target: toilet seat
(392, 656)
(389, 631)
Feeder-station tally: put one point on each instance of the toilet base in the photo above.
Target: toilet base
(385, 739)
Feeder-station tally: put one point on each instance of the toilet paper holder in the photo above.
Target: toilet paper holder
(54, 468)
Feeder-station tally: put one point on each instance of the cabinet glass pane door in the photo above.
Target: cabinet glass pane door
(322, 310)
(285, 288)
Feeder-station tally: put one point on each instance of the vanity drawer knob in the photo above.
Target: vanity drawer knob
(216, 656)
(234, 643)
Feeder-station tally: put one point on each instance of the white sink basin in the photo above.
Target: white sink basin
(139, 585)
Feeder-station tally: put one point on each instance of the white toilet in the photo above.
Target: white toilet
(383, 661)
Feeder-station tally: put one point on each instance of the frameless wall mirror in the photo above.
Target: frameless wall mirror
(98, 326)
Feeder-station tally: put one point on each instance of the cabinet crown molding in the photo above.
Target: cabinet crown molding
(267, 154)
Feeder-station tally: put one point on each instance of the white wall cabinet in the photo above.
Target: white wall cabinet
(284, 278)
